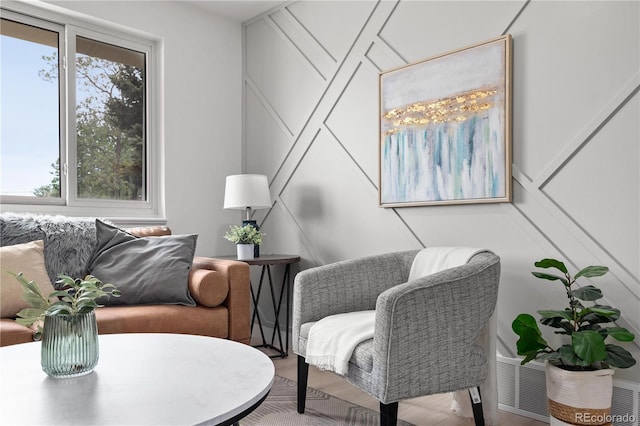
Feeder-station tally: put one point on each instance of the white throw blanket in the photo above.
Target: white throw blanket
(435, 259)
(332, 339)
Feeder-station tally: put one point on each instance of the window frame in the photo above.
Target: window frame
(69, 26)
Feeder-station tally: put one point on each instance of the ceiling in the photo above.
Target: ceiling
(238, 10)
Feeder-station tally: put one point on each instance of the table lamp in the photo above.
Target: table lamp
(247, 192)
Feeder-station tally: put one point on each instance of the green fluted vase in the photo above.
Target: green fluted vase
(69, 345)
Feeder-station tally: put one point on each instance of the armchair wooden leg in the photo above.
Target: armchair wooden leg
(303, 374)
(389, 414)
(476, 405)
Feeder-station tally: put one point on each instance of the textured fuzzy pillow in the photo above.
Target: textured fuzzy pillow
(68, 241)
(27, 258)
(147, 270)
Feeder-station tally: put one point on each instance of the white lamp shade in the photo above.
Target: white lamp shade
(242, 191)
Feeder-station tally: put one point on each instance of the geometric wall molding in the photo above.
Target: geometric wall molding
(311, 125)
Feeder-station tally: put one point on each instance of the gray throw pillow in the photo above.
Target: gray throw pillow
(147, 270)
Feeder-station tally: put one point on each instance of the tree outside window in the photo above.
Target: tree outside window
(109, 121)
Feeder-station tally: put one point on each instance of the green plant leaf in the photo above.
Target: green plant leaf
(558, 322)
(566, 314)
(618, 357)
(595, 327)
(32, 287)
(523, 322)
(621, 334)
(606, 311)
(568, 357)
(529, 357)
(27, 322)
(598, 314)
(531, 340)
(592, 271)
(589, 346)
(587, 293)
(30, 312)
(65, 280)
(59, 307)
(551, 263)
(549, 277)
(549, 356)
(35, 301)
(58, 293)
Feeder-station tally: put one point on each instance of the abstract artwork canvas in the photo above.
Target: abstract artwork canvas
(445, 128)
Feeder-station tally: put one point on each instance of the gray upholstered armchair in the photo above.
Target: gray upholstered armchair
(425, 330)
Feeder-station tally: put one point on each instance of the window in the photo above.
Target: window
(109, 117)
(30, 119)
(75, 118)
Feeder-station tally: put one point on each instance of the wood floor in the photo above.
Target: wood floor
(425, 411)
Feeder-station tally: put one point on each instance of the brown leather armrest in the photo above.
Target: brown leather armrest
(208, 288)
(238, 300)
(149, 231)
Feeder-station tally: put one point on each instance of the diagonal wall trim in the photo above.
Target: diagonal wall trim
(355, 162)
(526, 185)
(278, 30)
(384, 24)
(592, 128)
(630, 277)
(299, 37)
(409, 228)
(294, 17)
(515, 18)
(267, 106)
(339, 111)
(333, 88)
(284, 184)
(380, 47)
(309, 246)
(306, 241)
(567, 222)
(332, 133)
(561, 221)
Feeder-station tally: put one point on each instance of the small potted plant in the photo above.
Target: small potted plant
(66, 322)
(245, 237)
(585, 361)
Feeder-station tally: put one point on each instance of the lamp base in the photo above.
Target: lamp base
(256, 247)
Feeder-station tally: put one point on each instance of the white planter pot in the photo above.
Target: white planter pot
(579, 397)
(245, 251)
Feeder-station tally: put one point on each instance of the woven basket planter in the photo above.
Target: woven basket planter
(579, 397)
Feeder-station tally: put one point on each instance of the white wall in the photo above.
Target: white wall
(202, 108)
(310, 124)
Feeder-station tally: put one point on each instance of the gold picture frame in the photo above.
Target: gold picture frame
(445, 128)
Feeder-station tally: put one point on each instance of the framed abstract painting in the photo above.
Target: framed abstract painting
(445, 128)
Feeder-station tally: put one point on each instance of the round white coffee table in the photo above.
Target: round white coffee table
(166, 379)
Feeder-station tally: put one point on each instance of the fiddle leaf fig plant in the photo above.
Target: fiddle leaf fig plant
(246, 234)
(78, 296)
(587, 327)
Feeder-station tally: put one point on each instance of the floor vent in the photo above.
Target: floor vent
(522, 391)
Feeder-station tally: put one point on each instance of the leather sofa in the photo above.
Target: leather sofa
(220, 288)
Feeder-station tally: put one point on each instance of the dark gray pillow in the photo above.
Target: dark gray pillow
(147, 270)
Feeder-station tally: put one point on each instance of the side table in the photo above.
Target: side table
(266, 261)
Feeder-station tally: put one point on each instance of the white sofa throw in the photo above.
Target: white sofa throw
(332, 339)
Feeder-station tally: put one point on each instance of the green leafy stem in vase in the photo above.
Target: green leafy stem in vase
(586, 326)
(78, 296)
